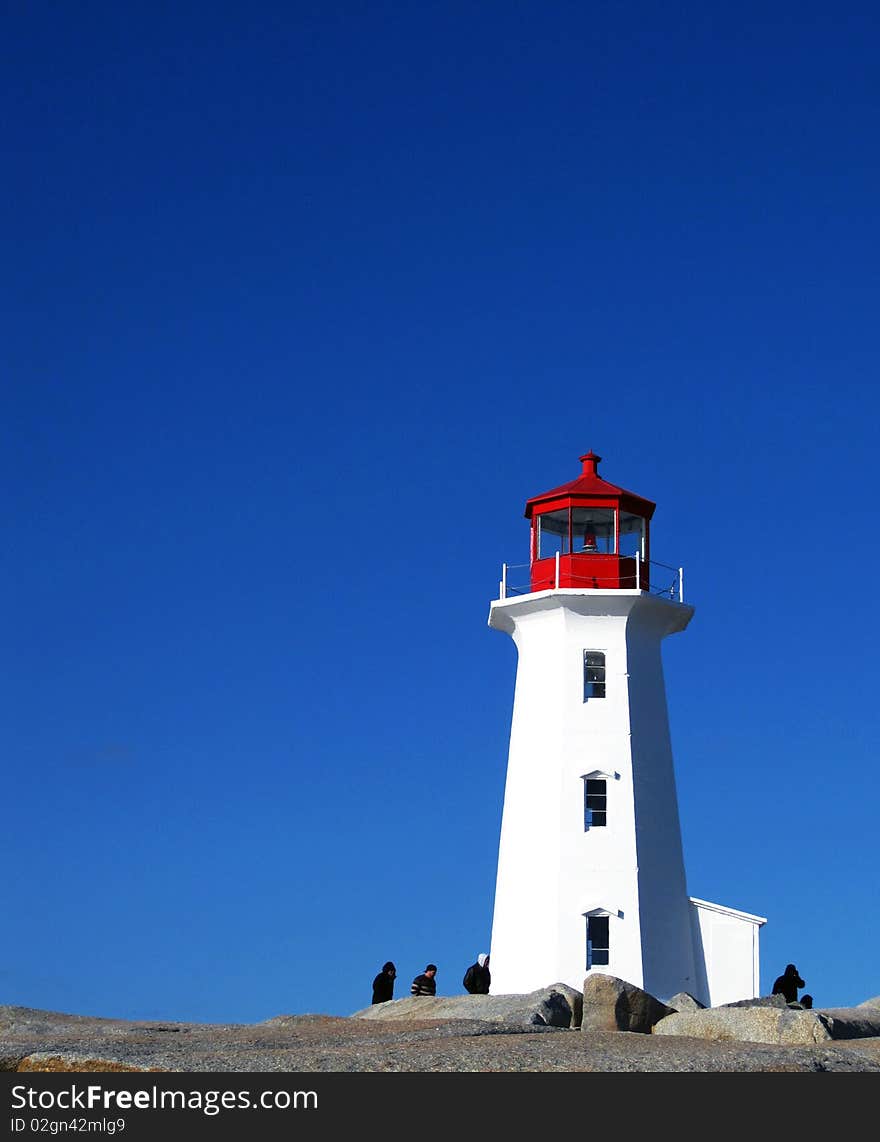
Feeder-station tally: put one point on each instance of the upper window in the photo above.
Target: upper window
(594, 674)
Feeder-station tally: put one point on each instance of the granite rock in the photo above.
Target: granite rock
(556, 1006)
(684, 1001)
(751, 1024)
(295, 1043)
(612, 1004)
(760, 1001)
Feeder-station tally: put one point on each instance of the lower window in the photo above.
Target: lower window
(598, 951)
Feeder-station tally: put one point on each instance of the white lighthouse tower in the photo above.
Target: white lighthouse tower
(590, 867)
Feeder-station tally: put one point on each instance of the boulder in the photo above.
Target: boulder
(862, 1022)
(748, 1024)
(52, 1061)
(684, 1001)
(556, 1006)
(760, 1001)
(612, 1004)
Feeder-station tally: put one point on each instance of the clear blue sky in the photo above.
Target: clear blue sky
(301, 302)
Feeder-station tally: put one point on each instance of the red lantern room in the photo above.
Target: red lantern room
(589, 533)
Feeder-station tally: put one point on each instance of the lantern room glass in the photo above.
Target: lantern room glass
(632, 535)
(592, 530)
(553, 534)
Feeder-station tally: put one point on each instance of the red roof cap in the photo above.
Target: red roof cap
(590, 485)
(590, 462)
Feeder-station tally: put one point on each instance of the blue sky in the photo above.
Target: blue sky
(301, 303)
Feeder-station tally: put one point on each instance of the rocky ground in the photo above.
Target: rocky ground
(32, 1040)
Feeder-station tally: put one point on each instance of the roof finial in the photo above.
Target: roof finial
(590, 462)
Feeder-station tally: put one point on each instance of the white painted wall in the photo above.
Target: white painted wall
(551, 872)
(726, 943)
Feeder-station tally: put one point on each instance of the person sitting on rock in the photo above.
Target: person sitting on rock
(383, 984)
(788, 983)
(425, 984)
(477, 978)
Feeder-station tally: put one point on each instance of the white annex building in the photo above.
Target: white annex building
(590, 866)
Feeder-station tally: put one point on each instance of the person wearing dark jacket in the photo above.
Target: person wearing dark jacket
(788, 983)
(383, 984)
(425, 984)
(477, 978)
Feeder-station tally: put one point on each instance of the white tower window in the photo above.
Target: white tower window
(598, 941)
(594, 674)
(595, 802)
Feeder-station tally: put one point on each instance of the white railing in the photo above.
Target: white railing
(516, 580)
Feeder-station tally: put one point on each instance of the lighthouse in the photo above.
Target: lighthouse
(591, 874)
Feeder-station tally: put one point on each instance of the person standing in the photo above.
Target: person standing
(788, 983)
(478, 978)
(383, 984)
(425, 984)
